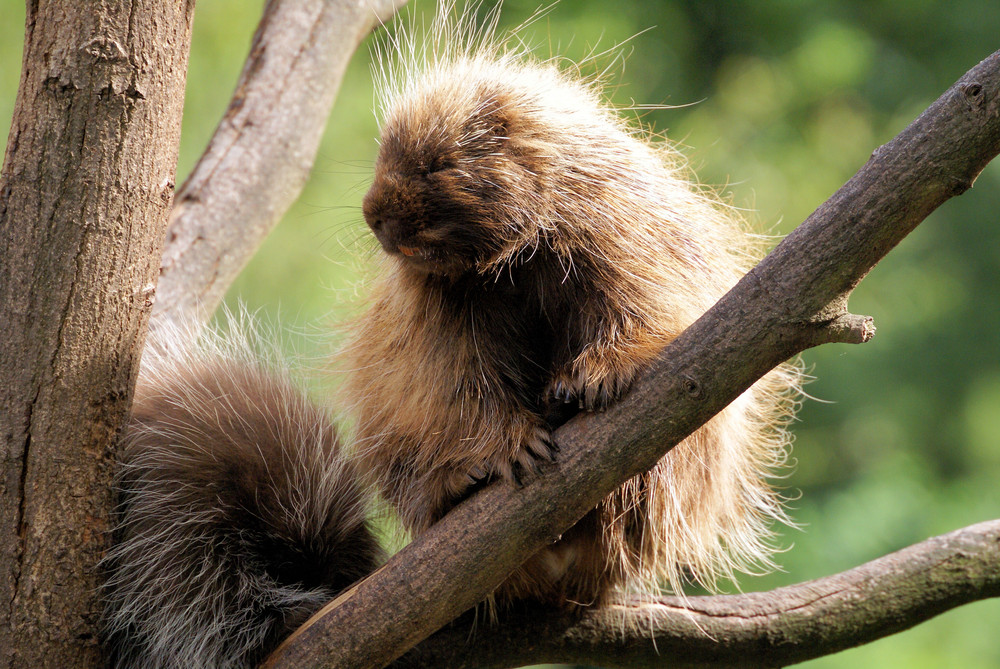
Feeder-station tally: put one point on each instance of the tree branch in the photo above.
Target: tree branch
(762, 629)
(262, 151)
(794, 299)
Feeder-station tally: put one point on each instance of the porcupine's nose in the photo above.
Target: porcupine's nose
(387, 232)
(379, 222)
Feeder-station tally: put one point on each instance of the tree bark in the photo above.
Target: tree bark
(85, 191)
(794, 299)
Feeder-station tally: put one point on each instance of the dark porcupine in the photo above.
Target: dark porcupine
(238, 515)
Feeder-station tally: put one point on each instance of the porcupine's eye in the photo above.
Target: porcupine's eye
(439, 163)
(499, 126)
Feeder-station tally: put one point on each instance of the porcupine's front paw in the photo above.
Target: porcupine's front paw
(514, 459)
(513, 446)
(589, 387)
(428, 497)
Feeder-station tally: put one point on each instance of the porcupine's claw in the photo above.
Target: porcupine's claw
(586, 391)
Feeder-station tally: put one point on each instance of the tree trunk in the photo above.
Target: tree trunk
(86, 187)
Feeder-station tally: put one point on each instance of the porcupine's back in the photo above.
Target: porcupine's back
(556, 191)
(238, 516)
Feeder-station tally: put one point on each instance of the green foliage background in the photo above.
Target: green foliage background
(779, 103)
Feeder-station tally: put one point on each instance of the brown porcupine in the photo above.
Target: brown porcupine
(539, 253)
(238, 515)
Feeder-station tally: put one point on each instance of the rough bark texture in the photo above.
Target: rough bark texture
(86, 188)
(761, 629)
(795, 298)
(260, 156)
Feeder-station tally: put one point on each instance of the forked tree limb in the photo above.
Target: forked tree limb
(761, 629)
(794, 299)
(259, 158)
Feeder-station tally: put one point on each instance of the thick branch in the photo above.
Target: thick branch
(786, 304)
(764, 629)
(263, 149)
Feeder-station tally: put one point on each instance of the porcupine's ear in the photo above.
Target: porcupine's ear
(491, 118)
(499, 119)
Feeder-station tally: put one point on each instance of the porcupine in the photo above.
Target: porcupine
(538, 253)
(238, 514)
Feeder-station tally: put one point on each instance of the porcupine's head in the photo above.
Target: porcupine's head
(477, 141)
(454, 188)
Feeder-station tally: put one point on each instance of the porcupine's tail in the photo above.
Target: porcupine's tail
(238, 514)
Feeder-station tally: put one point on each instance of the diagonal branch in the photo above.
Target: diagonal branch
(794, 299)
(762, 629)
(263, 149)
